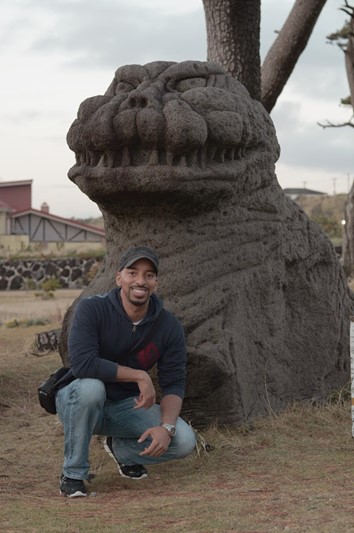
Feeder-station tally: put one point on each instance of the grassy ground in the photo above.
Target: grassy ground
(292, 472)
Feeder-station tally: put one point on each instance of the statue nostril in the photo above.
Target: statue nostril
(137, 101)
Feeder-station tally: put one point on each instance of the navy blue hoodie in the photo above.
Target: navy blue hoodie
(101, 334)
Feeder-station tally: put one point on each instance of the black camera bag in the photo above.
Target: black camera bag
(48, 389)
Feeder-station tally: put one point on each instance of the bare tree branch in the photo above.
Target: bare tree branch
(348, 9)
(331, 125)
(346, 34)
(287, 48)
(350, 13)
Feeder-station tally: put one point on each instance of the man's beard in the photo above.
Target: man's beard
(136, 301)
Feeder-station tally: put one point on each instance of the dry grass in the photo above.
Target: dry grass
(291, 472)
(24, 304)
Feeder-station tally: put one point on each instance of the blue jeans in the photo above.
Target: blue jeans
(84, 411)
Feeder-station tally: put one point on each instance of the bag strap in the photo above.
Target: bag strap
(65, 379)
(144, 342)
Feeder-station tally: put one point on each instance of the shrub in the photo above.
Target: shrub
(48, 286)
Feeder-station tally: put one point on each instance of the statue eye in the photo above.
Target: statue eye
(124, 87)
(185, 84)
(190, 83)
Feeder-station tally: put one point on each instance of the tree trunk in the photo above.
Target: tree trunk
(349, 57)
(348, 237)
(287, 48)
(233, 33)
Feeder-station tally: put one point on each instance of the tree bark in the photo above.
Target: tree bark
(287, 48)
(348, 237)
(349, 55)
(233, 33)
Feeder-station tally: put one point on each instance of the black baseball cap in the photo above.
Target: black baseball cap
(134, 254)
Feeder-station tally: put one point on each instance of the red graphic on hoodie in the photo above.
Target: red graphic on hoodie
(148, 356)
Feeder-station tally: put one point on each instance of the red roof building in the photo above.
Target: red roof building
(17, 194)
(18, 218)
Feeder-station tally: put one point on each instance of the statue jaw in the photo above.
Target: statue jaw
(162, 183)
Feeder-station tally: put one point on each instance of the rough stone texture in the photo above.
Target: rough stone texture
(30, 273)
(180, 158)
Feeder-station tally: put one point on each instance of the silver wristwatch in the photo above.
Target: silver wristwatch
(170, 428)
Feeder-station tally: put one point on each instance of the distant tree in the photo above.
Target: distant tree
(344, 39)
(233, 34)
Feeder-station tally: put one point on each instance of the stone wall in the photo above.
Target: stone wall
(72, 273)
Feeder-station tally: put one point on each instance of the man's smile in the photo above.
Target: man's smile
(139, 291)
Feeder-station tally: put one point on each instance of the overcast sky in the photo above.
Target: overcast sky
(56, 53)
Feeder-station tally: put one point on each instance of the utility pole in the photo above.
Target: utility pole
(334, 186)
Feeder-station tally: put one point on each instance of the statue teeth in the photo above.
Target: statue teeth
(221, 156)
(203, 156)
(211, 153)
(193, 158)
(183, 161)
(231, 154)
(126, 157)
(196, 158)
(101, 161)
(154, 157)
(106, 160)
(169, 158)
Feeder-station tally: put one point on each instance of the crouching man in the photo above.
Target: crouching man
(113, 394)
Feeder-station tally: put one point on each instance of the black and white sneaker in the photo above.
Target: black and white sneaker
(73, 488)
(128, 471)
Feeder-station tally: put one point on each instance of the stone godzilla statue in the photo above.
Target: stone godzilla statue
(179, 157)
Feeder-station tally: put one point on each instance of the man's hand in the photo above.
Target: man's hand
(160, 441)
(147, 394)
(147, 390)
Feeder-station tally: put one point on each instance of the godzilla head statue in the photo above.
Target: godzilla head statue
(168, 131)
(180, 158)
